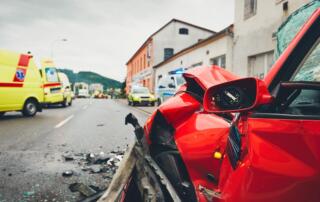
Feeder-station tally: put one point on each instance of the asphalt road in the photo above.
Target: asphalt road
(31, 149)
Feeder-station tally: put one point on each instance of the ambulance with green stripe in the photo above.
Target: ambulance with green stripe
(21, 87)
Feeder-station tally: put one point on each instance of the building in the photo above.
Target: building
(255, 23)
(161, 45)
(216, 49)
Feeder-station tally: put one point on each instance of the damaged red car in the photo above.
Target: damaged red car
(225, 138)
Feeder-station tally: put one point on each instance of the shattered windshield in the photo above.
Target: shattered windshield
(309, 69)
(289, 29)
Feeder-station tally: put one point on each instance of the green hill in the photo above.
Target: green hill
(91, 77)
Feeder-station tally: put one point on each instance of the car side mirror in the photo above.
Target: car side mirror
(236, 96)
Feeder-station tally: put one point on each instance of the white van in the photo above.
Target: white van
(167, 86)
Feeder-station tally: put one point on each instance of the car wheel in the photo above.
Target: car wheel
(159, 102)
(65, 103)
(70, 103)
(134, 103)
(129, 103)
(1, 114)
(153, 104)
(30, 108)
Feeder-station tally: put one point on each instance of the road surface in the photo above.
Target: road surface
(31, 149)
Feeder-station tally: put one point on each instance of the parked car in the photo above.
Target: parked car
(168, 86)
(141, 95)
(20, 85)
(227, 138)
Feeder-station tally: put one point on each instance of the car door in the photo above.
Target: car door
(280, 142)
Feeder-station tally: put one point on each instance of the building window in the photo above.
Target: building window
(168, 52)
(219, 61)
(183, 31)
(285, 6)
(250, 8)
(259, 65)
(196, 65)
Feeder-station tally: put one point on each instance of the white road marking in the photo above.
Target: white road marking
(64, 121)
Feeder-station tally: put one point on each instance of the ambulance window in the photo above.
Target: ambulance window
(51, 74)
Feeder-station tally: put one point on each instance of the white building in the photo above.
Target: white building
(161, 45)
(175, 36)
(216, 49)
(255, 23)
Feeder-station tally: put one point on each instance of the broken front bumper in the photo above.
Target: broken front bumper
(139, 167)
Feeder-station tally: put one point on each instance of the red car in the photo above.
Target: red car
(222, 138)
(255, 140)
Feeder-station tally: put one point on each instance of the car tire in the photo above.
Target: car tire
(134, 103)
(153, 104)
(30, 108)
(129, 103)
(65, 103)
(1, 114)
(159, 102)
(70, 103)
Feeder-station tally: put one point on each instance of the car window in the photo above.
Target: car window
(140, 90)
(165, 81)
(51, 74)
(309, 69)
(180, 80)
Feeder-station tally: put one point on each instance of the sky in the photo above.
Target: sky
(101, 35)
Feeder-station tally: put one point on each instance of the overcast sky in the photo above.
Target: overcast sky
(102, 34)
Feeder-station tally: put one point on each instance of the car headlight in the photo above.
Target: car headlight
(136, 97)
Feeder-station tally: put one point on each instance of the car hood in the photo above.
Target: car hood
(141, 95)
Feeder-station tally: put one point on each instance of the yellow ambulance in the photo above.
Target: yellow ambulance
(21, 87)
(66, 89)
(53, 88)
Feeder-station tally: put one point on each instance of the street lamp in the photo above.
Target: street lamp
(54, 42)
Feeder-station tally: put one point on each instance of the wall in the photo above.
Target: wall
(169, 37)
(201, 53)
(139, 69)
(253, 36)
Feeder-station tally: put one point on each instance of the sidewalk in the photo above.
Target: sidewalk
(146, 109)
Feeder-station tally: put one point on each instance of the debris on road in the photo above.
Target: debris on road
(82, 188)
(28, 193)
(68, 157)
(67, 173)
(95, 169)
(98, 164)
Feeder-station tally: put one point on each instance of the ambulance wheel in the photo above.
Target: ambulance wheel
(30, 108)
(65, 103)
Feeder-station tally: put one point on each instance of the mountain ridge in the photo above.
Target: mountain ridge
(90, 77)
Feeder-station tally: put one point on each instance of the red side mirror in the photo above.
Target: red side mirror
(236, 96)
